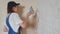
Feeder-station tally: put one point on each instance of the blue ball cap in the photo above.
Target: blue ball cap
(12, 4)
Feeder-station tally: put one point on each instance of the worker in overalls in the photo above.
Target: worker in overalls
(13, 21)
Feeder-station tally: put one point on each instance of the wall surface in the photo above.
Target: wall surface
(49, 22)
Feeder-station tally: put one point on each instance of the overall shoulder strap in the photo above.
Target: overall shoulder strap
(7, 22)
(11, 31)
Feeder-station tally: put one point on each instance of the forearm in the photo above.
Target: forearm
(25, 23)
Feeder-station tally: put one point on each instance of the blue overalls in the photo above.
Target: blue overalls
(10, 29)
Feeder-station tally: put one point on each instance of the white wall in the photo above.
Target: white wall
(49, 22)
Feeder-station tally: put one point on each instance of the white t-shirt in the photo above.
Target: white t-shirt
(14, 20)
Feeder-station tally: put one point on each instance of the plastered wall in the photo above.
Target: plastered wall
(49, 21)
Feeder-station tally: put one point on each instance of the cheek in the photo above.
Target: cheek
(15, 9)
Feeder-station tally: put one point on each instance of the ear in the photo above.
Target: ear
(13, 8)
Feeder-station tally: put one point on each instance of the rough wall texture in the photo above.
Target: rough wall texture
(49, 22)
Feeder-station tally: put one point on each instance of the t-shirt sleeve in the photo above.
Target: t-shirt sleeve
(16, 19)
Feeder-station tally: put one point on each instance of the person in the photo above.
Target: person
(13, 21)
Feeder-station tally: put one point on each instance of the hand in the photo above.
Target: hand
(5, 29)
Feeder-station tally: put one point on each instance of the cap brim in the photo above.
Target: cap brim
(18, 4)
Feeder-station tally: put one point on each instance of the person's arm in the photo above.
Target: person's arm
(24, 24)
(26, 21)
(5, 29)
(18, 21)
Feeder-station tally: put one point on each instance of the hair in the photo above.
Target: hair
(9, 9)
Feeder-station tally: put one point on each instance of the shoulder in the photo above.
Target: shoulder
(14, 18)
(14, 14)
